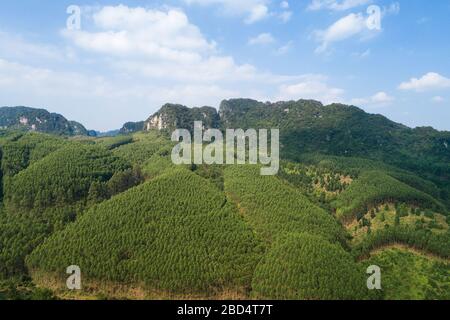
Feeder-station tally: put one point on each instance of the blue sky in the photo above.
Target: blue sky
(130, 57)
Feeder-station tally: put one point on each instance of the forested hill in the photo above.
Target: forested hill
(40, 120)
(140, 227)
(341, 130)
(308, 127)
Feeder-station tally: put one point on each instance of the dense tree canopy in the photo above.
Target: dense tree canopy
(375, 187)
(303, 266)
(179, 235)
(121, 210)
(63, 177)
(273, 207)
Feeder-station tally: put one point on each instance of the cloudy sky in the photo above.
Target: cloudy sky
(127, 58)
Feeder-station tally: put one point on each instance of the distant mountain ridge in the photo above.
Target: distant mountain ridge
(306, 127)
(131, 127)
(309, 127)
(40, 120)
(175, 116)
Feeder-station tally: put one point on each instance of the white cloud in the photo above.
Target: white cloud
(336, 5)
(166, 35)
(354, 24)
(363, 54)
(345, 28)
(262, 39)
(430, 81)
(285, 49)
(311, 87)
(284, 5)
(157, 44)
(73, 94)
(44, 82)
(380, 99)
(285, 16)
(437, 99)
(392, 9)
(257, 13)
(254, 10)
(192, 94)
(215, 68)
(14, 46)
(135, 42)
(70, 93)
(423, 20)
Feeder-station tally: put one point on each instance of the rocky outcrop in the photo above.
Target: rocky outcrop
(39, 120)
(174, 116)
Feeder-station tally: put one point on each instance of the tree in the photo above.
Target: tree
(397, 219)
(98, 192)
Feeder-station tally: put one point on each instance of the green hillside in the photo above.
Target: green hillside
(180, 236)
(48, 182)
(353, 189)
(373, 188)
(272, 207)
(340, 130)
(304, 267)
(412, 276)
(63, 177)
